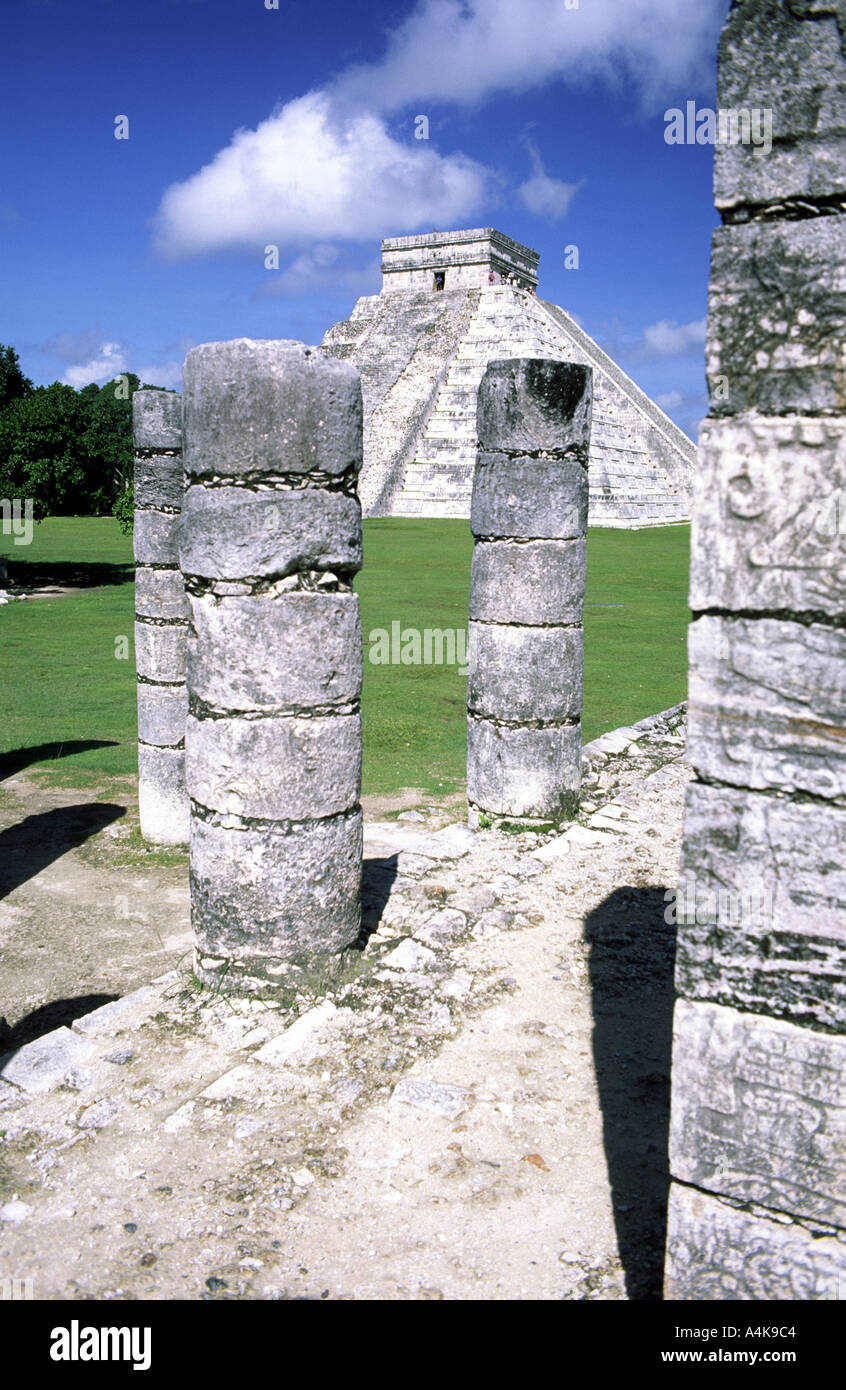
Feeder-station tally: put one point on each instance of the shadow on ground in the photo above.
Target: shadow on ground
(60, 1013)
(18, 758)
(632, 957)
(66, 574)
(377, 876)
(28, 847)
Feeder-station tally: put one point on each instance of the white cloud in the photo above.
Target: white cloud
(319, 269)
(90, 359)
(660, 340)
(325, 167)
(305, 175)
(669, 339)
(669, 400)
(466, 50)
(545, 196)
(109, 362)
(168, 374)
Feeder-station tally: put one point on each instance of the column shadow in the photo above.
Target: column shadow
(377, 876)
(632, 959)
(59, 1013)
(28, 847)
(19, 758)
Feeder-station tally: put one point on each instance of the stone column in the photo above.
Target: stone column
(269, 543)
(527, 586)
(161, 617)
(758, 1125)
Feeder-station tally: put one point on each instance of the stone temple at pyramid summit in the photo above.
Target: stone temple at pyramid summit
(450, 303)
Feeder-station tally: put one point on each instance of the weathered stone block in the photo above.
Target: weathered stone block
(162, 798)
(232, 533)
(525, 673)
(294, 651)
(160, 651)
(717, 1252)
(262, 895)
(769, 517)
(758, 1110)
(274, 768)
(160, 594)
(523, 772)
(157, 419)
(158, 480)
(270, 406)
(767, 705)
(530, 404)
(761, 906)
(777, 318)
(528, 499)
(534, 582)
(155, 538)
(41, 1065)
(788, 61)
(162, 711)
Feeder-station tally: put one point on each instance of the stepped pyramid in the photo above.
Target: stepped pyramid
(450, 303)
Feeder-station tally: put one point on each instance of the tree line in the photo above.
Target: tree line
(69, 451)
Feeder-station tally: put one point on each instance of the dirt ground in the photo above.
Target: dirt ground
(476, 1108)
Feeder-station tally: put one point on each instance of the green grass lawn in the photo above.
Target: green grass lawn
(67, 695)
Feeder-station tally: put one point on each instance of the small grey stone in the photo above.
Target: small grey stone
(449, 1101)
(99, 1114)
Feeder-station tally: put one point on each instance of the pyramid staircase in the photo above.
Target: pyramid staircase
(422, 357)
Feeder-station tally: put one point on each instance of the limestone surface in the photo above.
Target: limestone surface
(234, 533)
(761, 905)
(717, 1252)
(759, 1111)
(526, 674)
(533, 405)
(269, 406)
(265, 901)
(769, 529)
(523, 772)
(768, 704)
(528, 499)
(292, 651)
(777, 318)
(787, 60)
(536, 582)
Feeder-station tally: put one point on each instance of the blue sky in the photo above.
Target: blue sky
(294, 126)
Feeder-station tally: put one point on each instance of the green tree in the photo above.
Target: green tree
(13, 383)
(39, 453)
